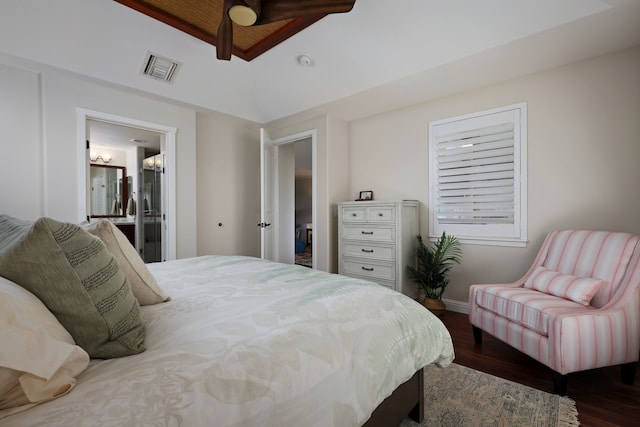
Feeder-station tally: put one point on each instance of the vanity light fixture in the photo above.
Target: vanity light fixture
(105, 157)
(153, 161)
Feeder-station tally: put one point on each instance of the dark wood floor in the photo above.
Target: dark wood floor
(601, 398)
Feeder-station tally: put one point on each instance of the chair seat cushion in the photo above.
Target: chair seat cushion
(527, 307)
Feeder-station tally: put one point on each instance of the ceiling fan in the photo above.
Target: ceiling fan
(258, 12)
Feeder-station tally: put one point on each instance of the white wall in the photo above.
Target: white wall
(39, 158)
(21, 182)
(228, 165)
(331, 184)
(583, 156)
(228, 185)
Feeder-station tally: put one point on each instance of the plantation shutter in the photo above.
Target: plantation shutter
(477, 175)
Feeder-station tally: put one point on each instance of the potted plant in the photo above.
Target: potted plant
(434, 263)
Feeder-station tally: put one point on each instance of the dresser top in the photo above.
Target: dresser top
(379, 202)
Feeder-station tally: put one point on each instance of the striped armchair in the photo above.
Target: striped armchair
(577, 308)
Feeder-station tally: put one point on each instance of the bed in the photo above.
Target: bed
(244, 341)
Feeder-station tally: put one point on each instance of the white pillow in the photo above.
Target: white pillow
(39, 359)
(566, 286)
(143, 284)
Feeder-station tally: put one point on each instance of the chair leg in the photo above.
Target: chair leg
(477, 334)
(628, 372)
(559, 384)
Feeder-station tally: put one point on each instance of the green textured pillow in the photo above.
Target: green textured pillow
(78, 280)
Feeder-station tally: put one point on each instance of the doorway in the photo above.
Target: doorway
(147, 152)
(303, 202)
(150, 244)
(294, 198)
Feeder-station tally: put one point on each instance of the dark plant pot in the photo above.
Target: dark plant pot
(436, 306)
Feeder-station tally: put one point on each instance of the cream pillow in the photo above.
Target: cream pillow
(39, 359)
(574, 288)
(143, 284)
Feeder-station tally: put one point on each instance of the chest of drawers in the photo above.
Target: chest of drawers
(376, 241)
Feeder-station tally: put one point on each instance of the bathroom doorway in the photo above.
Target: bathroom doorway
(146, 151)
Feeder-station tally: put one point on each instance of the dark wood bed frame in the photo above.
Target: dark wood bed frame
(407, 399)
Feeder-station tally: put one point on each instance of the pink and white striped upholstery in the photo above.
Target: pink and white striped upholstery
(562, 334)
(567, 286)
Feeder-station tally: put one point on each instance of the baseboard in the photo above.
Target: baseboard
(456, 306)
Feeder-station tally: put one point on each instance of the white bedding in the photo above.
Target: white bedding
(246, 342)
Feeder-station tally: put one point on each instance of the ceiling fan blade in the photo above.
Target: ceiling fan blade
(279, 10)
(224, 38)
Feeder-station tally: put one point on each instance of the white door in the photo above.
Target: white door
(266, 196)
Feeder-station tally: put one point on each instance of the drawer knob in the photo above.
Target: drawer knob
(353, 214)
(367, 232)
(367, 268)
(380, 214)
(369, 251)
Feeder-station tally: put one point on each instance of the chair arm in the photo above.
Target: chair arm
(587, 339)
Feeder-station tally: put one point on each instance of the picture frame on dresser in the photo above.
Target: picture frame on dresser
(365, 195)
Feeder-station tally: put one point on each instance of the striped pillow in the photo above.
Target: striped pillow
(78, 280)
(574, 288)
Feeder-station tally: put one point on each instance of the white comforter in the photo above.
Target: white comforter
(246, 342)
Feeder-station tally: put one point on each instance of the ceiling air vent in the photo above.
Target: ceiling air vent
(159, 67)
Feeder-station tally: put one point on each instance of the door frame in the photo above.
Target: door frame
(267, 197)
(169, 190)
(289, 139)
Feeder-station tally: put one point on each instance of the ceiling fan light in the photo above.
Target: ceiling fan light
(243, 15)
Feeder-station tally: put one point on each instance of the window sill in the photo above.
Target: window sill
(488, 241)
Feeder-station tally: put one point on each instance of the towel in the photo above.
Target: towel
(131, 207)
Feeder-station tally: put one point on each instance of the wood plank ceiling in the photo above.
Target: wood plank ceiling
(200, 19)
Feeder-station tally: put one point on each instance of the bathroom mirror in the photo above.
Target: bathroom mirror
(109, 194)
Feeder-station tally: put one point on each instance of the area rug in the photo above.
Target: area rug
(460, 396)
(304, 258)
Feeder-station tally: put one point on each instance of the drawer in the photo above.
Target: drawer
(369, 270)
(381, 213)
(356, 249)
(379, 233)
(354, 214)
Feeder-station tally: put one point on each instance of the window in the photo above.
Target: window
(477, 175)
